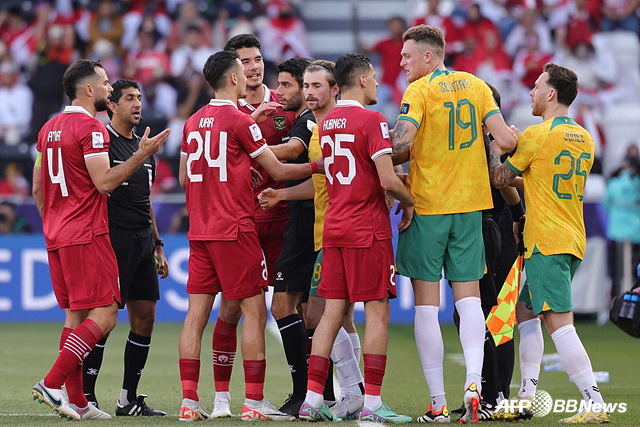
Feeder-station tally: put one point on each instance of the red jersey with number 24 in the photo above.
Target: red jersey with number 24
(351, 139)
(219, 142)
(74, 209)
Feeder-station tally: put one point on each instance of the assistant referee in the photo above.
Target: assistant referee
(138, 248)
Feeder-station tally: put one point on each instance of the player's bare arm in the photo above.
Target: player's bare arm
(280, 171)
(518, 183)
(501, 174)
(290, 150)
(161, 258)
(401, 137)
(37, 188)
(107, 178)
(182, 173)
(270, 197)
(506, 137)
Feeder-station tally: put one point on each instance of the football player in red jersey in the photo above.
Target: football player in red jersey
(225, 255)
(71, 198)
(358, 263)
(263, 105)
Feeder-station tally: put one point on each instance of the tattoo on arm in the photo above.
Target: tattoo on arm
(399, 137)
(501, 174)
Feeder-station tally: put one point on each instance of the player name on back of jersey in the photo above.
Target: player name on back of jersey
(330, 124)
(573, 136)
(454, 86)
(54, 136)
(206, 122)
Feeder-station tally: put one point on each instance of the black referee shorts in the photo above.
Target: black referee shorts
(492, 245)
(294, 266)
(135, 252)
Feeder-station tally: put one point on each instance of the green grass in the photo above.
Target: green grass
(28, 350)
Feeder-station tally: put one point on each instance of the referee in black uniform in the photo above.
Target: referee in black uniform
(138, 248)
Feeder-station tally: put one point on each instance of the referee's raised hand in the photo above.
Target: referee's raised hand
(150, 146)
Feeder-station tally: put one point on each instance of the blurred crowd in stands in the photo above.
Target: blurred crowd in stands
(163, 44)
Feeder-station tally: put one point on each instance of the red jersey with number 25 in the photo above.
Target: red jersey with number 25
(351, 139)
(74, 209)
(219, 142)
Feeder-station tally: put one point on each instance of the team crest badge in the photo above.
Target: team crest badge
(404, 109)
(280, 122)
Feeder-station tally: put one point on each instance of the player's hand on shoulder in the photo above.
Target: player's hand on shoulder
(151, 146)
(268, 198)
(265, 110)
(407, 215)
(516, 131)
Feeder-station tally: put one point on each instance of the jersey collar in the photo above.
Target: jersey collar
(267, 98)
(76, 109)
(221, 102)
(348, 103)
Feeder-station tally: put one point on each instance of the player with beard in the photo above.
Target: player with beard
(225, 254)
(139, 251)
(358, 262)
(274, 123)
(320, 92)
(71, 198)
(554, 159)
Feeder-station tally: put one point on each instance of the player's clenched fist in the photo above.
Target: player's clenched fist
(269, 198)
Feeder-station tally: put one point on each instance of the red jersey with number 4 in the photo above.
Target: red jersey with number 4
(273, 130)
(74, 209)
(351, 139)
(218, 143)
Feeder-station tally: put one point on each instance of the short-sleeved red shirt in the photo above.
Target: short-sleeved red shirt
(74, 209)
(219, 142)
(351, 139)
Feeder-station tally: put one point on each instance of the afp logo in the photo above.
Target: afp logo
(280, 122)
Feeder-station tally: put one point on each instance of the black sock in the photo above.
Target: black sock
(294, 341)
(328, 385)
(135, 357)
(90, 369)
(506, 356)
(490, 371)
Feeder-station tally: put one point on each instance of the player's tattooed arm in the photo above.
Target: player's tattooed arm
(501, 174)
(402, 135)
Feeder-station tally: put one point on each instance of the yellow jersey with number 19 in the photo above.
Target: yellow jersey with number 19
(448, 170)
(321, 199)
(554, 159)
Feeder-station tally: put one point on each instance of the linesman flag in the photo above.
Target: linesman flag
(502, 318)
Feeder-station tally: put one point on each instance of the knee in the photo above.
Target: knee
(142, 327)
(230, 312)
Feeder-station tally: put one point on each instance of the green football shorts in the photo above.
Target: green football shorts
(317, 275)
(548, 285)
(452, 241)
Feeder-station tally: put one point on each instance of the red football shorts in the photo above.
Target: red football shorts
(359, 274)
(85, 276)
(271, 235)
(236, 268)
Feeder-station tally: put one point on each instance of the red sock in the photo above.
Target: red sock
(76, 347)
(254, 371)
(225, 342)
(190, 374)
(374, 367)
(74, 380)
(318, 371)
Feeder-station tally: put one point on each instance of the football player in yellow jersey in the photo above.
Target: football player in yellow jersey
(439, 131)
(320, 93)
(554, 159)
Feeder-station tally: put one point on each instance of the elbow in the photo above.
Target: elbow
(104, 190)
(509, 144)
(388, 184)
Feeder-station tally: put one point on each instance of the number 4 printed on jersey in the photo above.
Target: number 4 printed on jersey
(59, 177)
(205, 146)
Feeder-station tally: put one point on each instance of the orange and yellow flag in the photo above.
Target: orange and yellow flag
(502, 318)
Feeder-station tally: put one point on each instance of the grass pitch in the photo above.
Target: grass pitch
(29, 349)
